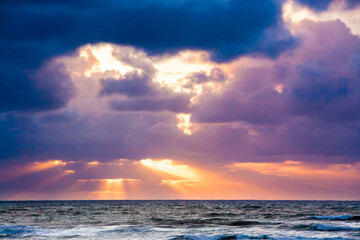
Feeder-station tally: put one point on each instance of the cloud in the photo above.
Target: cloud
(177, 103)
(296, 105)
(166, 178)
(317, 5)
(320, 80)
(15, 132)
(59, 117)
(296, 169)
(143, 94)
(215, 75)
(48, 88)
(35, 31)
(131, 84)
(322, 5)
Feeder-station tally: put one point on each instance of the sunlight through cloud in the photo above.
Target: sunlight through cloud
(168, 166)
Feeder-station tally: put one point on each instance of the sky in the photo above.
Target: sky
(180, 99)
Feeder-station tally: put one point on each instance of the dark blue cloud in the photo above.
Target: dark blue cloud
(48, 88)
(318, 94)
(215, 75)
(16, 135)
(32, 31)
(131, 84)
(172, 103)
(59, 117)
(321, 5)
(141, 94)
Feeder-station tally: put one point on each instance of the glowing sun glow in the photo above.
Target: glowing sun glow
(279, 88)
(32, 168)
(184, 123)
(107, 188)
(105, 60)
(171, 70)
(168, 166)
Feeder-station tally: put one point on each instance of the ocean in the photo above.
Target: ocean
(180, 219)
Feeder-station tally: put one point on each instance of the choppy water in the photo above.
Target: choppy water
(180, 220)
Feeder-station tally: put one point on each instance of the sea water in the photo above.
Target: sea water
(180, 219)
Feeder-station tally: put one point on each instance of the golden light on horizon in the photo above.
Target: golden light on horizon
(186, 181)
(109, 180)
(200, 182)
(300, 169)
(107, 188)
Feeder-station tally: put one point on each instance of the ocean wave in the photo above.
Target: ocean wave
(83, 231)
(322, 227)
(244, 223)
(336, 217)
(248, 237)
(219, 237)
(220, 214)
(209, 221)
(14, 230)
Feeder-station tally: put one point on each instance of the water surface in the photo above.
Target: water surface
(180, 219)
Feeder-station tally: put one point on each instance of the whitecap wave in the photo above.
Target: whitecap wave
(336, 217)
(322, 227)
(15, 230)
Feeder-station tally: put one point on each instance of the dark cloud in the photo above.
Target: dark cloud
(215, 75)
(111, 136)
(143, 94)
(174, 103)
(258, 107)
(296, 139)
(16, 135)
(59, 117)
(32, 31)
(48, 88)
(321, 5)
(131, 84)
(322, 96)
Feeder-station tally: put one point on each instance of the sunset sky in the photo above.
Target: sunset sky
(180, 99)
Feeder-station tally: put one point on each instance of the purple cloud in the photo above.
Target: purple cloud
(176, 103)
(320, 80)
(132, 84)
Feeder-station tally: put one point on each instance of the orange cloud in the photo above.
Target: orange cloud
(30, 168)
(300, 169)
(166, 178)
